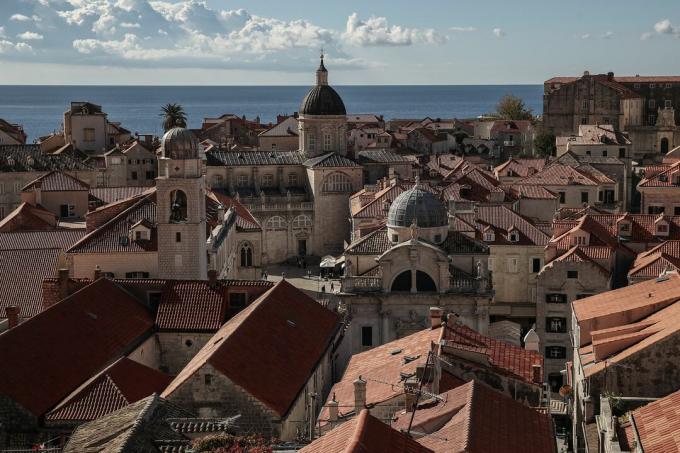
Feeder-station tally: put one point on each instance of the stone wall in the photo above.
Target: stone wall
(116, 263)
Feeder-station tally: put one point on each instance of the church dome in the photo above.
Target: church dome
(179, 143)
(322, 99)
(420, 205)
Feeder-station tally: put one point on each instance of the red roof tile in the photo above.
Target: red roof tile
(122, 383)
(658, 425)
(107, 195)
(51, 354)
(475, 418)
(663, 257)
(28, 218)
(661, 177)
(501, 219)
(56, 181)
(503, 357)
(270, 348)
(365, 434)
(563, 175)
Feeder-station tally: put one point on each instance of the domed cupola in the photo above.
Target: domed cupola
(322, 99)
(179, 143)
(422, 209)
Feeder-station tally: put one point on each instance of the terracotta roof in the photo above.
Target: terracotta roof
(381, 156)
(249, 158)
(389, 362)
(36, 240)
(194, 305)
(503, 357)
(56, 181)
(530, 192)
(374, 243)
(123, 382)
(577, 254)
(329, 160)
(270, 348)
(364, 434)
(286, 128)
(658, 424)
(376, 207)
(28, 217)
(520, 167)
(31, 158)
(650, 264)
(106, 195)
(665, 177)
(509, 126)
(564, 175)
(501, 219)
(245, 220)
(48, 356)
(475, 418)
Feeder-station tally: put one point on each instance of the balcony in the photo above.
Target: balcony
(292, 206)
(360, 284)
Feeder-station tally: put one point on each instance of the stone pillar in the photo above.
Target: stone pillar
(385, 331)
(230, 180)
(280, 180)
(256, 180)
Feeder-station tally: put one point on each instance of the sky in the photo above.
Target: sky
(375, 42)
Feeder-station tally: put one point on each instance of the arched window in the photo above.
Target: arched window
(337, 182)
(178, 206)
(302, 221)
(246, 255)
(664, 145)
(276, 223)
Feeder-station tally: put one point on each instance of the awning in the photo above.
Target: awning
(328, 261)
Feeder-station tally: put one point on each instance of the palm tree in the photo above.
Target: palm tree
(173, 116)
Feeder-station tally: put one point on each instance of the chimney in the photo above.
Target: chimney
(436, 317)
(536, 376)
(333, 410)
(359, 395)
(63, 283)
(12, 313)
(220, 212)
(610, 76)
(212, 278)
(97, 273)
(410, 394)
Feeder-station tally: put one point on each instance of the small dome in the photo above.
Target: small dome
(179, 143)
(420, 205)
(322, 100)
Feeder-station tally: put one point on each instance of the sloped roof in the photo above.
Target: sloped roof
(123, 382)
(286, 128)
(658, 424)
(521, 167)
(374, 243)
(106, 195)
(28, 217)
(662, 178)
(135, 428)
(196, 306)
(56, 181)
(501, 219)
(504, 358)
(578, 255)
(381, 156)
(249, 158)
(652, 263)
(48, 356)
(245, 220)
(563, 175)
(328, 161)
(375, 207)
(31, 158)
(475, 418)
(365, 434)
(270, 348)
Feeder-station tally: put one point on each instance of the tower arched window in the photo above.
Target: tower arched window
(275, 223)
(311, 142)
(246, 255)
(178, 206)
(337, 182)
(327, 142)
(302, 221)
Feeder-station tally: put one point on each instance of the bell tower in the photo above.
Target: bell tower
(180, 205)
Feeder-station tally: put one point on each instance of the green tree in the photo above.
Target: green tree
(513, 108)
(544, 143)
(173, 116)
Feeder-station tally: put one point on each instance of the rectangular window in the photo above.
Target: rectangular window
(584, 105)
(208, 379)
(136, 275)
(637, 86)
(584, 120)
(676, 210)
(267, 180)
(556, 298)
(556, 325)
(652, 85)
(327, 142)
(668, 103)
(584, 197)
(512, 264)
(655, 209)
(67, 210)
(178, 237)
(311, 142)
(604, 153)
(242, 181)
(668, 85)
(237, 302)
(366, 336)
(651, 120)
(652, 103)
(292, 179)
(134, 175)
(395, 238)
(138, 235)
(556, 352)
(572, 274)
(116, 161)
(88, 134)
(535, 265)
(563, 197)
(150, 175)
(622, 152)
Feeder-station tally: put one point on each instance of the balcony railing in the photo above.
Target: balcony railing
(260, 207)
(361, 284)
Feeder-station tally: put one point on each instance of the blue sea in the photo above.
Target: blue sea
(40, 108)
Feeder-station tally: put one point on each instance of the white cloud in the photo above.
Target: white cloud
(10, 47)
(463, 29)
(585, 36)
(663, 27)
(499, 32)
(130, 25)
(646, 35)
(30, 36)
(19, 18)
(2, 32)
(375, 31)
(607, 35)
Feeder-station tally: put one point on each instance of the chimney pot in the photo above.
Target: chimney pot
(537, 373)
(97, 272)
(12, 313)
(436, 316)
(63, 283)
(359, 395)
(333, 410)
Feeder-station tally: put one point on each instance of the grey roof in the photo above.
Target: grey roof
(322, 100)
(31, 158)
(419, 205)
(330, 160)
(179, 143)
(380, 156)
(247, 158)
(286, 128)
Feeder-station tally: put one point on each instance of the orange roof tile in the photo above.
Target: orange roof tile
(658, 425)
